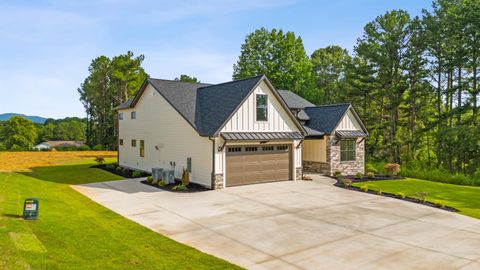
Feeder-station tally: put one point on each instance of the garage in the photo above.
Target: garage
(253, 164)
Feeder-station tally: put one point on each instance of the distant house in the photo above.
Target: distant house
(236, 133)
(58, 144)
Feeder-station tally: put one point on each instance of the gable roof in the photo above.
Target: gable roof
(294, 101)
(326, 118)
(206, 107)
(216, 103)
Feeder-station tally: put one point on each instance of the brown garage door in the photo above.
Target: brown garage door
(256, 164)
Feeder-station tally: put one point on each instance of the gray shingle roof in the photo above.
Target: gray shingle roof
(181, 95)
(205, 106)
(124, 105)
(216, 103)
(325, 118)
(293, 100)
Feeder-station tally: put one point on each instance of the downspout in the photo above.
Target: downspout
(212, 184)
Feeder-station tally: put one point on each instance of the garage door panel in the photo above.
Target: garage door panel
(257, 166)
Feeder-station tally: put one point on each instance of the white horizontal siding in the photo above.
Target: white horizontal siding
(162, 127)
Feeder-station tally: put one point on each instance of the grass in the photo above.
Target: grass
(464, 198)
(24, 161)
(74, 232)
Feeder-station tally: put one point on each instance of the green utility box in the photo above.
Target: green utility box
(30, 208)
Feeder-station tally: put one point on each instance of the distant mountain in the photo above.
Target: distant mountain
(36, 119)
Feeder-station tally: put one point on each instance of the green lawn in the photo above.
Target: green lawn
(74, 232)
(464, 198)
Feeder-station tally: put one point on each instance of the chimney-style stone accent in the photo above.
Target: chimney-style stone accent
(299, 173)
(217, 181)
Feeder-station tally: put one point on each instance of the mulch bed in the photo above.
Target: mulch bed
(192, 187)
(391, 195)
(378, 177)
(124, 172)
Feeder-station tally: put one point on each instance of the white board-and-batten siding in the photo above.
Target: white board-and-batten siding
(349, 122)
(163, 128)
(244, 120)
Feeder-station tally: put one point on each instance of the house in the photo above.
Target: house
(228, 134)
(58, 144)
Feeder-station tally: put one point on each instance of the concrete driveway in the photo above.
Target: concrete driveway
(300, 225)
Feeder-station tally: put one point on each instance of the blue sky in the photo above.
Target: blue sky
(46, 46)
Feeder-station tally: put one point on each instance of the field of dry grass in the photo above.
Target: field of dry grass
(24, 161)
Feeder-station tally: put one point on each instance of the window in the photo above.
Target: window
(262, 111)
(120, 116)
(133, 115)
(142, 148)
(282, 147)
(250, 148)
(234, 149)
(121, 141)
(348, 150)
(134, 143)
(267, 148)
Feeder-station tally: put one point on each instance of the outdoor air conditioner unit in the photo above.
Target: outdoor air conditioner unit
(168, 176)
(157, 173)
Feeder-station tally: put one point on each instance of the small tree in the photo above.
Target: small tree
(392, 169)
(19, 133)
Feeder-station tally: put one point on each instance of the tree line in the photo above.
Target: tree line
(414, 81)
(19, 133)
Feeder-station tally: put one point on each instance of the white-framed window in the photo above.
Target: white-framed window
(134, 143)
(120, 116)
(261, 107)
(348, 150)
(133, 115)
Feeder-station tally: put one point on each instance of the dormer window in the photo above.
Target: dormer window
(262, 108)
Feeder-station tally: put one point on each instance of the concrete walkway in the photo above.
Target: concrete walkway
(300, 225)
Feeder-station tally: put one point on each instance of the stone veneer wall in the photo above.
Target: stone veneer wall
(319, 167)
(299, 173)
(346, 167)
(217, 181)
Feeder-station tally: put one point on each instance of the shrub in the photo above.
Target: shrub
(421, 196)
(119, 169)
(370, 168)
(180, 187)
(154, 182)
(401, 195)
(346, 182)
(161, 183)
(98, 147)
(100, 160)
(136, 174)
(392, 169)
(149, 179)
(379, 192)
(185, 177)
(364, 188)
(110, 167)
(370, 175)
(337, 174)
(359, 175)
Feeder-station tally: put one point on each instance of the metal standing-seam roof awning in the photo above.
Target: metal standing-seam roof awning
(261, 136)
(350, 134)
